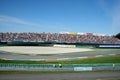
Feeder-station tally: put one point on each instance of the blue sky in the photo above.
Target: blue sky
(96, 16)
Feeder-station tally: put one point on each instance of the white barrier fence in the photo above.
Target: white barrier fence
(65, 46)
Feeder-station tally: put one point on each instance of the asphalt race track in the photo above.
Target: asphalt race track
(63, 76)
(11, 56)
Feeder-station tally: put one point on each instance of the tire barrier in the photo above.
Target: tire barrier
(59, 67)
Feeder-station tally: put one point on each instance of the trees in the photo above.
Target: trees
(117, 35)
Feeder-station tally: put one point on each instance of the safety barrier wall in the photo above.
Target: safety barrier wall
(83, 46)
(59, 67)
(65, 46)
(60, 44)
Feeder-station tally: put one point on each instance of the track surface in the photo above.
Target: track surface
(62, 76)
(4, 55)
(41, 50)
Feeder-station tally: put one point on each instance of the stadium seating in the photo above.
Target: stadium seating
(58, 37)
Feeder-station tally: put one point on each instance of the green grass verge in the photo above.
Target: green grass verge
(110, 79)
(51, 72)
(45, 54)
(34, 72)
(104, 49)
(105, 59)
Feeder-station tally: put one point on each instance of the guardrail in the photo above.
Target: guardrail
(59, 67)
(64, 65)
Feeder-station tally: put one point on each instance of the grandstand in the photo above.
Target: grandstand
(48, 39)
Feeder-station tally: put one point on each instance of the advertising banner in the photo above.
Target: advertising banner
(82, 68)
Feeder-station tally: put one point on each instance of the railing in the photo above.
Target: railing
(63, 65)
(59, 67)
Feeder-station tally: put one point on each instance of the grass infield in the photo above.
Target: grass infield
(105, 59)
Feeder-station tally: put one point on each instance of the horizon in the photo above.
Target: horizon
(54, 16)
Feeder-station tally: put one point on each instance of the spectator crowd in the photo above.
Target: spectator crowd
(60, 37)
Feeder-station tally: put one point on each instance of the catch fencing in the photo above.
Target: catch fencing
(59, 67)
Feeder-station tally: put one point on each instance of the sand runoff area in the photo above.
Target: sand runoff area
(41, 50)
